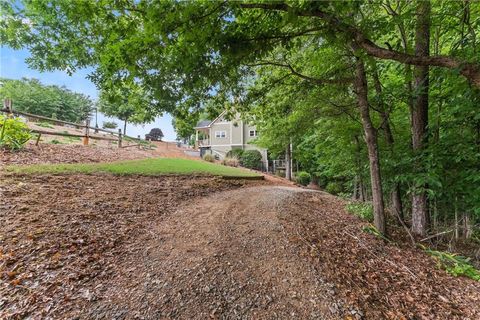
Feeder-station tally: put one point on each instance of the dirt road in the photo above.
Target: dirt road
(250, 254)
(225, 256)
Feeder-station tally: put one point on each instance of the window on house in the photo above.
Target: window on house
(220, 134)
(253, 133)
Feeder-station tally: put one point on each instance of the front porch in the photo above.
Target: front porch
(202, 137)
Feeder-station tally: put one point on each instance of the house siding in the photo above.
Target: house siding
(237, 132)
(214, 141)
(236, 136)
(246, 133)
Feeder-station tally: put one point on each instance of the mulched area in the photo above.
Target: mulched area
(383, 280)
(65, 236)
(52, 153)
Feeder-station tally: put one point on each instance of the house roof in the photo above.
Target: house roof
(208, 123)
(203, 124)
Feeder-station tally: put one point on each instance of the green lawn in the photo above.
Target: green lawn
(155, 166)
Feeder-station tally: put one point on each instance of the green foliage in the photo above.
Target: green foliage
(45, 124)
(209, 157)
(363, 210)
(237, 153)
(152, 166)
(374, 231)
(127, 102)
(109, 125)
(55, 141)
(30, 95)
(251, 159)
(454, 264)
(155, 134)
(303, 178)
(291, 71)
(14, 133)
(334, 187)
(72, 139)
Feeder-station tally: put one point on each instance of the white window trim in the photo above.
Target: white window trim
(221, 134)
(250, 133)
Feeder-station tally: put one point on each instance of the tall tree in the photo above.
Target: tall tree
(30, 95)
(361, 90)
(420, 116)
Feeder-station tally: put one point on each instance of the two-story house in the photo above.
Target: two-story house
(221, 135)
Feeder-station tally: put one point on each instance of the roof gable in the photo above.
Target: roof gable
(203, 124)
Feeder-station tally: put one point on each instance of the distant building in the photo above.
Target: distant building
(221, 135)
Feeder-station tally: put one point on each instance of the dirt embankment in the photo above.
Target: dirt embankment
(77, 153)
(52, 153)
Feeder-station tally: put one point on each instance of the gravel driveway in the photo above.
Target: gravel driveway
(225, 256)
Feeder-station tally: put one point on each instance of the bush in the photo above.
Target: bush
(333, 188)
(109, 125)
(235, 153)
(232, 162)
(251, 159)
(209, 157)
(303, 178)
(454, 264)
(14, 133)
(363, 210)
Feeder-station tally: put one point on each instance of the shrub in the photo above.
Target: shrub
(454, 264)
(333, 188)
(363, 210)
(251, 159)
(235, 153)
(14, 133)
(109, 125)
(231, 161)
(303, 178)
(208, 157)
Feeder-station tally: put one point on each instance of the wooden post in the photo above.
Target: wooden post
(38, 139)
(7, 104)
(119, 138)
(288, 163)
(87, 132)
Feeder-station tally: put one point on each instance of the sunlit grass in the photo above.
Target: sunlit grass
(153, 166)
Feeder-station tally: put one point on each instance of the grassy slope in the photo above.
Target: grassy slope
(156, 166)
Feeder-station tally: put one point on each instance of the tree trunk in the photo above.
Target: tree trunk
(467, 226)
(125, 127)
(419, 116)
(355, 194)
(288, 163)
(395, 195)
(361, 89)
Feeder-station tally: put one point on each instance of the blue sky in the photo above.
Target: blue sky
(13, 66)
